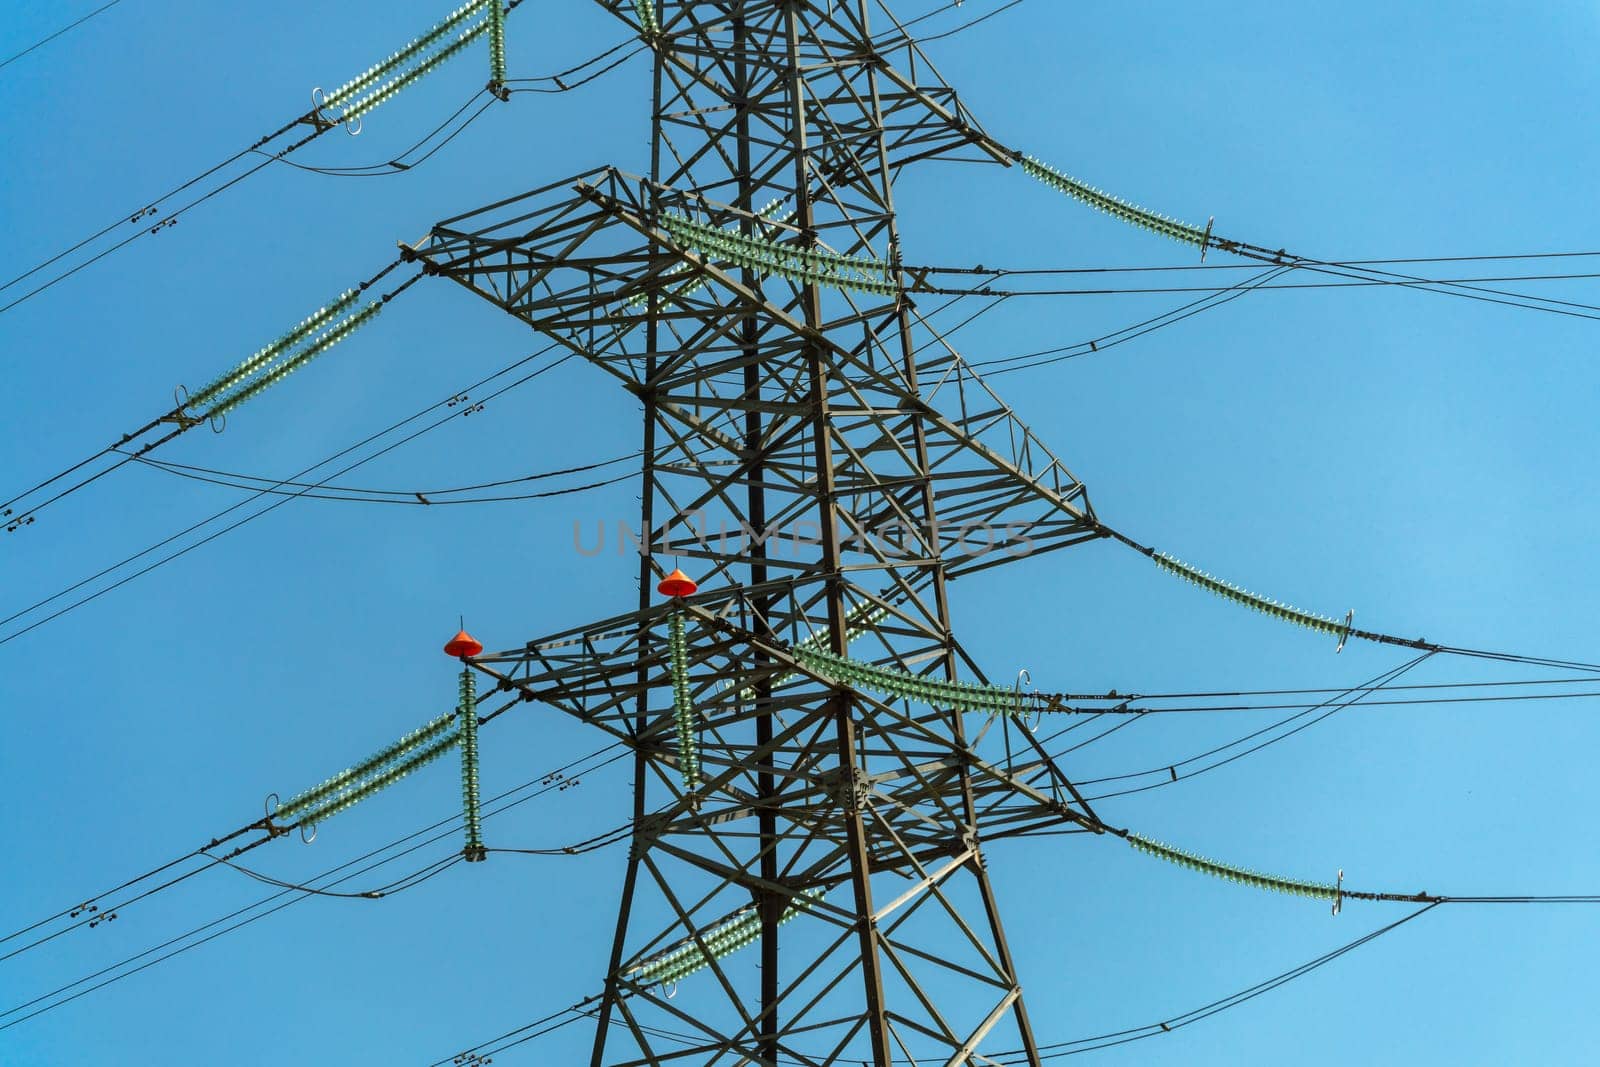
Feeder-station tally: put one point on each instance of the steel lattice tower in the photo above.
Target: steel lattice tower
(828, 463)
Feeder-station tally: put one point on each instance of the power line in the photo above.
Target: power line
(204, 851)
(1061, 1049)
(418, 498)
(395, 165)
(1054, 1050)
(17, 615)
(1221, 693)
(309, 888)
(1048, 356)
(149, 212)
(88, 902)
(521, 1035)
(562, 86)
(35, 46)
(235, 477)
(1482, 699)
(1168, 773)
(1343, 631)
(1216, 268)
(1002, 9)
(180, 420)
(951, 5)
(144, 215)
(1353, 282)
(54, 1004)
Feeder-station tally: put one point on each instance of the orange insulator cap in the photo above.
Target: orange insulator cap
(677, 584)
(463, 645)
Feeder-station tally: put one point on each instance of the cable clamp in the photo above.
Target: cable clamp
(274, 831)
(182, 421)
(315, 118)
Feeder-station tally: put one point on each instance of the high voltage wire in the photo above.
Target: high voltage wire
(233, 476)
(418, 498)
(1354, 283)
(407, 881)
(598, 841)
(1203, 239)
(181, 419)
(1061, 1049)
(546, 784)
(1218, 693)
(1481, 699)
(396, 164)
(308, 887)
(30, 609)
(183, 422)
(146, 215)
(950, 5)
(1053, 1050)
(1342, 631)
(92, 913)
(1214, 297)
(167, 222)
(303, 344)
(964, 27)
(520, 1035)
(35, 46)
(204, 851)
(1221, 268)
(1169, 772)
(399, 165)
(1047, 356)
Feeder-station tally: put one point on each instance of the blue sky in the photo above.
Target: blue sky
(1426, 461)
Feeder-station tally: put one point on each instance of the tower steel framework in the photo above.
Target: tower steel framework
(828, 463)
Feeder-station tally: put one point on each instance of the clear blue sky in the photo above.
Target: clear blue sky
(1426, 461)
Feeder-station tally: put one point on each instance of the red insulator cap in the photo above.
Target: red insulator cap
(463, 645)
(677, 584)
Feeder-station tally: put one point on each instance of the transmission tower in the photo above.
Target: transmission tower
(825, 464)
